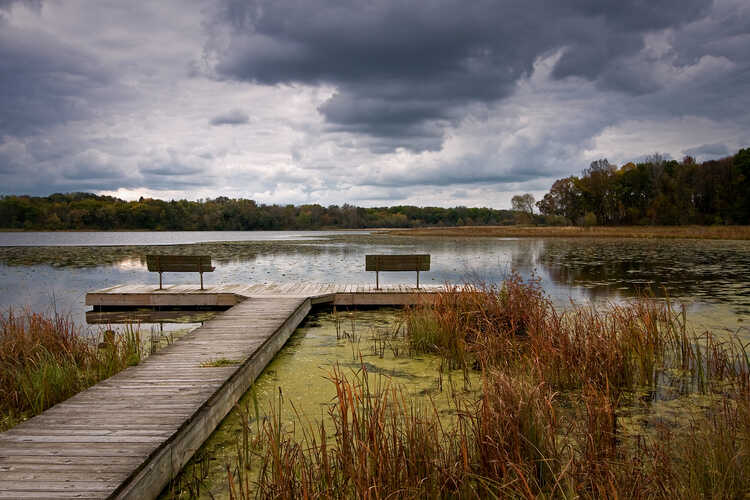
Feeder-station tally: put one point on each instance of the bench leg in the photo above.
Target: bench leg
(160, 288)
(201, 281)
(377, 280)
(417, 280)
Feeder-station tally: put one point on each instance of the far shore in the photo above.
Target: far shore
(652, 232)
(675, 232)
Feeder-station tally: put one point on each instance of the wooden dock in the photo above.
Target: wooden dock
(229, 295)
(127, 436)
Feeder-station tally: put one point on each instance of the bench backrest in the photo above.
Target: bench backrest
(419, 262)
(179, 263)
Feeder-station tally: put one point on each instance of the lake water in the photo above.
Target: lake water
(118, 238)
(46, 270)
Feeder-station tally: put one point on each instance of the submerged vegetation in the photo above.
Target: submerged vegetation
(46, 359)
(573, 403)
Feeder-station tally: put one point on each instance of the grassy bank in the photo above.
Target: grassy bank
(571, 405)
(47, 359)
(690, 232)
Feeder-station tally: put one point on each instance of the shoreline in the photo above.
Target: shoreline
(644, 232)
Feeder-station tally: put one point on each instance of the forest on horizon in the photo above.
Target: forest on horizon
(653, 192)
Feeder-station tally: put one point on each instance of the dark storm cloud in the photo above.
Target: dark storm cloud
(44, 82)
(234, 117)
(401, 67)
(415, 97)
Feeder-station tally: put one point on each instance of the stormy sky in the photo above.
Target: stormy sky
(377, 102)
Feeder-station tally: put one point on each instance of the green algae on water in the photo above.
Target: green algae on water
(297, 381)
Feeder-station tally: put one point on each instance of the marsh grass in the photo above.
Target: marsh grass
(46, 359)
(547, 422)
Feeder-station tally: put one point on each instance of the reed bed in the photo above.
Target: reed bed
(547, 423)
(45, 359)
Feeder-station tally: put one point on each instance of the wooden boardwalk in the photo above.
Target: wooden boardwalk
(128, 435)
(228, 295)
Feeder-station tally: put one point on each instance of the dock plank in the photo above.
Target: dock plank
(131, 419)
(126, 436)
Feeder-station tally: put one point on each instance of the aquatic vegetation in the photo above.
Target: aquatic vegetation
(46, 359)
(549, 420)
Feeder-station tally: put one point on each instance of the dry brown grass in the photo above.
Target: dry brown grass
(546, 423)
(673, 232)
(46, 359)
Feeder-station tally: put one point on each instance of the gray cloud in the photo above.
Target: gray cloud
(44, 81)
(708, 151)
(401, 69)
(169, 170)
(234, 117)
(323, 101)
(6, 5)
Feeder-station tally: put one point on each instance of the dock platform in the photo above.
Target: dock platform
(229, 295)
(127, 436)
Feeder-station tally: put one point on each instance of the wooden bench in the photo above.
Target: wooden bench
(179, 264)
(377, 263)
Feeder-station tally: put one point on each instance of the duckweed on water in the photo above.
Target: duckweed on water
(617, 402)
(300, 375)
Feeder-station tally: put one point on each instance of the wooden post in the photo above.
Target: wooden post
(160, 280)
(201, 280)
(377, 280)
(417, 279)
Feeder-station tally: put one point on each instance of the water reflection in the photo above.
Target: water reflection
(149, 317)
(711, 276)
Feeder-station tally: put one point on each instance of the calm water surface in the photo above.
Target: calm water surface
(116, 238)
(711, 277)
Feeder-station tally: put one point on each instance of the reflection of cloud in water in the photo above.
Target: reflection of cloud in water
(130, 263)
(598, 270)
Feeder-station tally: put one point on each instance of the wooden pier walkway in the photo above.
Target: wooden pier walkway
(127, 436)
(229, 295)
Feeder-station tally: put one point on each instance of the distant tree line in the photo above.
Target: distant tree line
(90, 211)
(653, 192)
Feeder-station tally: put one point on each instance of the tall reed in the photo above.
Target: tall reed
(46, 359)
(547, 422)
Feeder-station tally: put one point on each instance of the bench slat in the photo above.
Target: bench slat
(418, 262)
